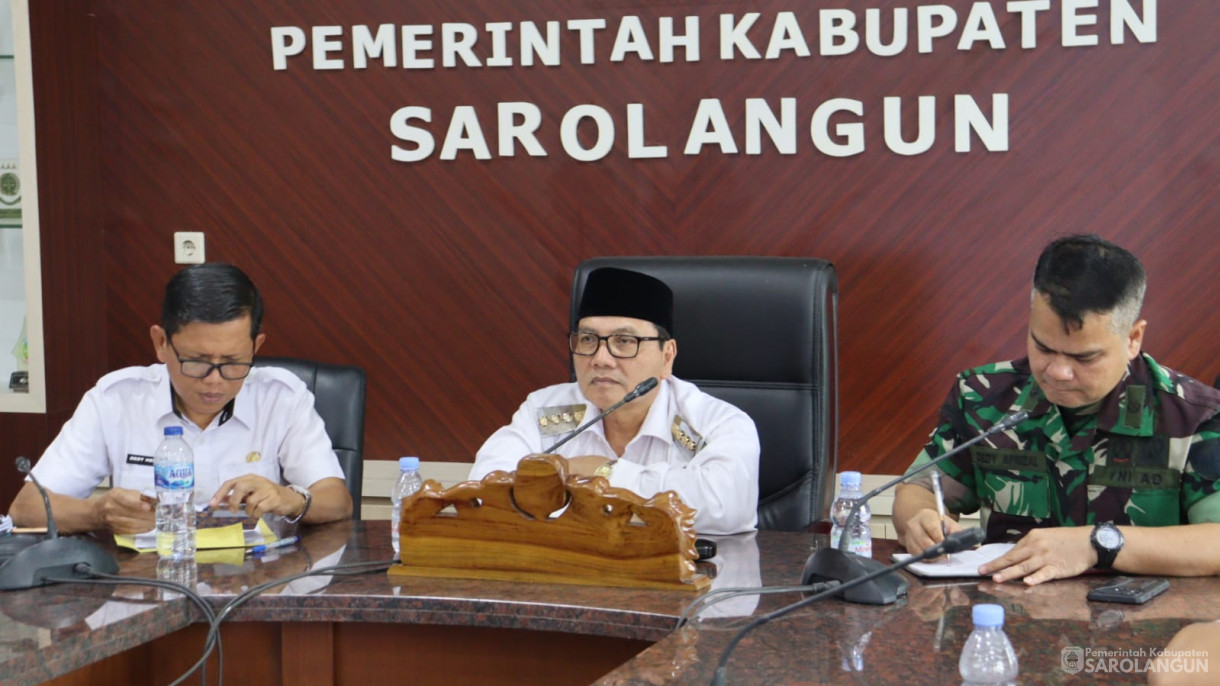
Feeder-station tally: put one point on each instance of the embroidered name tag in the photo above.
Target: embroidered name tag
(1124, 476)
(145, 460)
(1020, 460)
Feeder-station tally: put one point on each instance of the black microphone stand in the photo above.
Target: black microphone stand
(52, 558)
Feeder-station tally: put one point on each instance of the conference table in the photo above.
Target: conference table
(374, 628)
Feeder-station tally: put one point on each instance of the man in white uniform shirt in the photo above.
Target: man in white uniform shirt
(674, 437)
(256, 437)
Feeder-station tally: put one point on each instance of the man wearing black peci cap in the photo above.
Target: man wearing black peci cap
(674, 437)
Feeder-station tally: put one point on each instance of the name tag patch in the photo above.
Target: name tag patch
(1004, 459)
(145, 460)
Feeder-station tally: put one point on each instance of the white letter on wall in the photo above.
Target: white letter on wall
(605, 133)
(403, 131)
(852, 132)
(286, 41)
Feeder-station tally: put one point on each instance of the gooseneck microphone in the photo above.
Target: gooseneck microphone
(23, 466)
(953, 543)
(837, 564)
(645, 386)
(1006, 422)
(40, 559)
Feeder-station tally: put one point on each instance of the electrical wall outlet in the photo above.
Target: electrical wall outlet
(188, 247)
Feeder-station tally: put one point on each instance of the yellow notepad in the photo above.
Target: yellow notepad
(231, 536)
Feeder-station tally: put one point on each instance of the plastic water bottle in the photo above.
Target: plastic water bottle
(179, 571)
(860, 538)
(408, 483)
(174, 467)
(988, 657)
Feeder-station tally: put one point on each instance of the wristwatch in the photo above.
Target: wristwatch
(308, 501)
(1107, 540)
(605, 470)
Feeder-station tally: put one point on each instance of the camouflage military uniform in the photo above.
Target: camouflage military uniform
(1149, 455)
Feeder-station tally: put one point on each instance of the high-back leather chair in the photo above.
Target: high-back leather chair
(760, 333)
(338, 392)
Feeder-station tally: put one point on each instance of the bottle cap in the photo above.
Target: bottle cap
(849, 481)
(408, 464)
(173, 431)
(988, 615)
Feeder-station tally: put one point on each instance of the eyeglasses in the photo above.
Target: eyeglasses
(202, 369)
(620, 345)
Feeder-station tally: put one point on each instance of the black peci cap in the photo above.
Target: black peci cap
(612, 292)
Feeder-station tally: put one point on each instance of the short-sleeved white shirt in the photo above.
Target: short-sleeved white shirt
(698, 446)
(273, 431)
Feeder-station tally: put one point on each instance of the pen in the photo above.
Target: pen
(940, 505)
(280, 543)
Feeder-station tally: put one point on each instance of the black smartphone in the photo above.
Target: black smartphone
(1126, 589)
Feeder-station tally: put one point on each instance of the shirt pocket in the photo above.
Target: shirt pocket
(1013, 482)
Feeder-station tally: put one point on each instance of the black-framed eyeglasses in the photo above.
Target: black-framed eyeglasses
(621, 345)
(201, 369)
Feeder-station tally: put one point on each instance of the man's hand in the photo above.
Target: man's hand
(125, 511)
(260, 495)
(923, 531)
(1043, 555)
(585, 465)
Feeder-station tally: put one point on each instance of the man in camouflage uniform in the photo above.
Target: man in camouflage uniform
(1116, 444)
(673, 438)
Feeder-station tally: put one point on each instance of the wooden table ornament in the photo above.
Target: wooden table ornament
(503, 528)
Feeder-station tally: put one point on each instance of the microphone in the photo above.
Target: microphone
(953, 543)
(645, 386)
(831, 564)
(52, 556)
(23, 466)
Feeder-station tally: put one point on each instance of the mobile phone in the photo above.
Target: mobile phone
(1126, 589)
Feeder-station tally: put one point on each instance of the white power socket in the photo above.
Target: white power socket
(188, 247)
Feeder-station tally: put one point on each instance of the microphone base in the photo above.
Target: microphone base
(831, 564)
(55, 558)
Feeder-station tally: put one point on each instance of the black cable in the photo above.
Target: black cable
(214, 626)
(101, 578)
(339, 570)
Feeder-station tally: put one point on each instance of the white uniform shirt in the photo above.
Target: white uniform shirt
(274, 431)
(719, 478)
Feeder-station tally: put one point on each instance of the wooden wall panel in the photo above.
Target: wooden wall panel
(62, 39)
(448, 280)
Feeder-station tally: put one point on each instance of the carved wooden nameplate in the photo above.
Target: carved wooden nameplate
(502, 529)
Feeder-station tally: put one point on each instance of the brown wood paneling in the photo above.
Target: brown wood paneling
(388, 653)
(448, 280)
(68, 145)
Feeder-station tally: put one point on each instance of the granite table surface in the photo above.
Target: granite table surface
(49, 631)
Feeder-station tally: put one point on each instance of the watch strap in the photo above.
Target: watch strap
(308, 501)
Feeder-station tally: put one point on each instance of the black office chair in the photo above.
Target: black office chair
(761, 333)
(338, 392)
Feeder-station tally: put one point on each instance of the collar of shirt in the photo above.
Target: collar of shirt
(1122, 411)
(656, 422)
(240, 406)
